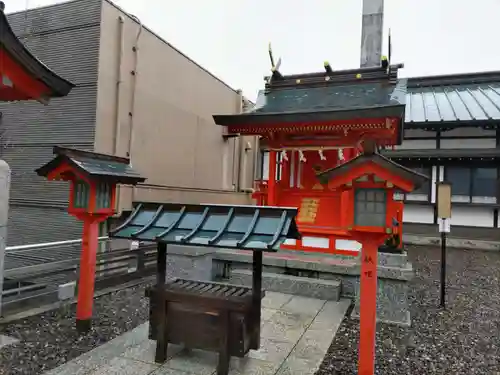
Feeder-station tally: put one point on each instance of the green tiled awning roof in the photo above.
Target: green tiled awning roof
(224, 226)
(453, 99)
(110, 167)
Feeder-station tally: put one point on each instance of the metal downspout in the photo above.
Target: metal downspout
(135, 50)
(239, 109)
(117, 117)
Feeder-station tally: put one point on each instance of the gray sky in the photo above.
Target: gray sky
(230, 37)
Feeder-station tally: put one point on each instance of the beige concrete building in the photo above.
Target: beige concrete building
(161, 117)
(136, 96)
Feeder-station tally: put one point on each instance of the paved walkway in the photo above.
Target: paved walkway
(296, 333)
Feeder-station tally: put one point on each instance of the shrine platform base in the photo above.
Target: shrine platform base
(325, 276)
(314, 275)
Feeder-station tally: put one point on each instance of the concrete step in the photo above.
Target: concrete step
(296, 285)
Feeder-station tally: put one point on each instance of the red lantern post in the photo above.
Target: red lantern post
(93, 179)
(369, 182)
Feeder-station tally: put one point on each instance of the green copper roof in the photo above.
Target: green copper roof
(93, 164)
(341, 95)
(224, 226)
(453, 100)
(335, 98)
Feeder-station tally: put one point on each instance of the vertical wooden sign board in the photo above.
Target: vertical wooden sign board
(368, 314)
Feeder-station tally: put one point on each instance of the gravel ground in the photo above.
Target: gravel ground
(464, 339)
(49, 340)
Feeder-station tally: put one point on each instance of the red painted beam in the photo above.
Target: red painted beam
(23, 85)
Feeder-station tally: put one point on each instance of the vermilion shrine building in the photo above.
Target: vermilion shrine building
(449, 121)
(312, 123)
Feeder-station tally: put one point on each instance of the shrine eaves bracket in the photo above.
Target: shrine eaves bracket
(223, 226)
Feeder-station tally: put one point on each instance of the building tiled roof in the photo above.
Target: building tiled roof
(339, 95)
(342, 97)
(453, 100)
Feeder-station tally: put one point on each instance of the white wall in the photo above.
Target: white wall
(417, 144)
(468, 132)
(414, 213)
(472, 216)
(468, 143)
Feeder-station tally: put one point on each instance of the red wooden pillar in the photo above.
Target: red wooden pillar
(271, 183)
(87, 274)
(368, 308)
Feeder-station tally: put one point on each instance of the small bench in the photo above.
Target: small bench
(204, 315)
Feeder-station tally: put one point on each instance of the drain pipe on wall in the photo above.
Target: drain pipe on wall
(131, 114)
(117, 113)
(241, 152)
(119, 79)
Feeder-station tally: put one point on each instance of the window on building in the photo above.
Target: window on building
(484, 185)
(460, 180)
(423, 193)
(477, 185)
(370, 207)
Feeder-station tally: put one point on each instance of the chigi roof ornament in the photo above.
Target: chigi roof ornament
(276, 75)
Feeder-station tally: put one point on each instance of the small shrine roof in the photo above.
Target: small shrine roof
(113, 168)
(11, 44)
(224, 226)
(338, 95)
(417, 178)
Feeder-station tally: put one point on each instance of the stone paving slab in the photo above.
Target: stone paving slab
(7, 340)
(295, 336)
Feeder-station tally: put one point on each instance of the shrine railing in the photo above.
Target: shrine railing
(33, 285)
